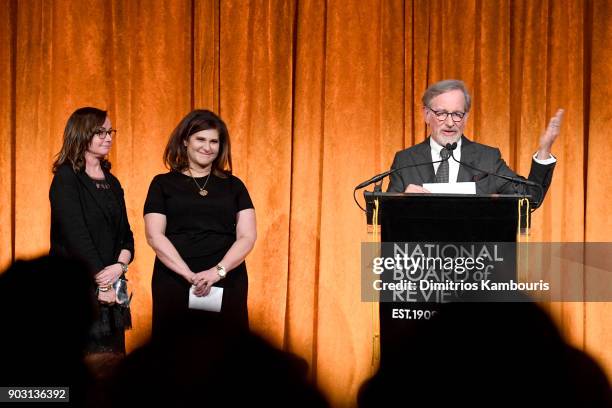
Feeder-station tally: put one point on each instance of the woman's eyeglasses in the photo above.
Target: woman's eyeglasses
(102, 132)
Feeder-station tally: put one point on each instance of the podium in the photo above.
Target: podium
(437, 218)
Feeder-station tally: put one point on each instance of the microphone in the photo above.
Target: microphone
(381, 176)
(447, 151)
(515, 180)
(378, 177)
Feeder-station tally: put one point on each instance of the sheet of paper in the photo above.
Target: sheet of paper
(451, 188)
(210, 303)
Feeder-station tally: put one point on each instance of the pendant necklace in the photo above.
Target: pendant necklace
(203, 191)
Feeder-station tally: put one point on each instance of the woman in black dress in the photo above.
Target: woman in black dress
(89, 222)
(200, 221)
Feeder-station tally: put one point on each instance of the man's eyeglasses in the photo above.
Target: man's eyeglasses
(102, 132)
(442, 115)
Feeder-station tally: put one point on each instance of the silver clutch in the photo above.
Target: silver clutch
(121, 292)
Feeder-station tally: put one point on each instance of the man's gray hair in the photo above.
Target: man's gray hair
(445, 86)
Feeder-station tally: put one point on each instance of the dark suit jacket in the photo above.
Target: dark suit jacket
(81, 225)
(475, 154)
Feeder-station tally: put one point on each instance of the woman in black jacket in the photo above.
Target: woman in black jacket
(89, 221)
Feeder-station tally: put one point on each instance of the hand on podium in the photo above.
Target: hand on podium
(415, 188)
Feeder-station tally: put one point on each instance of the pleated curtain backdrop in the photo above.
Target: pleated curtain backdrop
(318, 96)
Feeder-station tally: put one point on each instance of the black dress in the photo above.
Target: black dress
(202, 229)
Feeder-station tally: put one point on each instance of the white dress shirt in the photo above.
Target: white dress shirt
(453, 166)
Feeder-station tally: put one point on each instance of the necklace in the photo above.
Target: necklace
(203, 191)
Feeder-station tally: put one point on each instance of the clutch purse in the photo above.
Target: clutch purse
(121, 291)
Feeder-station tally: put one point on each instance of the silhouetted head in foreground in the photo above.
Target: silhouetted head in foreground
(46, 309)
(219, 368)
(488, 354)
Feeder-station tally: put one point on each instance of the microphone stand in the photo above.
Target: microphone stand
(514, 180)
(381, 176)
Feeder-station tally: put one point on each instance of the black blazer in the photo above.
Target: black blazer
(475, 154)
(81, 225)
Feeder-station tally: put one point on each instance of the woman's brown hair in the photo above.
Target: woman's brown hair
(175, 155)
(80, 129)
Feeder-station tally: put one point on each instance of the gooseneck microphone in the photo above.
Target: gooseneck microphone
(451, 147)
(515, 180)
(447, 151)
(381, 176)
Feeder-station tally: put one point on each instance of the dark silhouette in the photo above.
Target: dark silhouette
(477, 354)
(46, 310)
(214, 367)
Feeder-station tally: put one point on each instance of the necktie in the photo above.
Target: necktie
(442, 173)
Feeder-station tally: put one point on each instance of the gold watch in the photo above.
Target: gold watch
(221, 271)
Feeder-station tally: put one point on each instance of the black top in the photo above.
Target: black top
(86, 222)
(198, 226)
(108, 201)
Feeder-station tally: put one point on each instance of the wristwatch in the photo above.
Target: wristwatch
(221, 271)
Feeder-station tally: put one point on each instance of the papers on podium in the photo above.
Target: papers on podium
(451, 188)
(210, 303)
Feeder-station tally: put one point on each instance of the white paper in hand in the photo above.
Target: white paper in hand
(451, 188)
(210, 303)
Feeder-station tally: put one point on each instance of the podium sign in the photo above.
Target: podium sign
(441, 227)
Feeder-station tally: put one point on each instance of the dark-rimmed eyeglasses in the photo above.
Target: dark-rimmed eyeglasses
(441, 115)
(102, 132)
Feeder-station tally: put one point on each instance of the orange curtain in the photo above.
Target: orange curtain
(318, 96)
